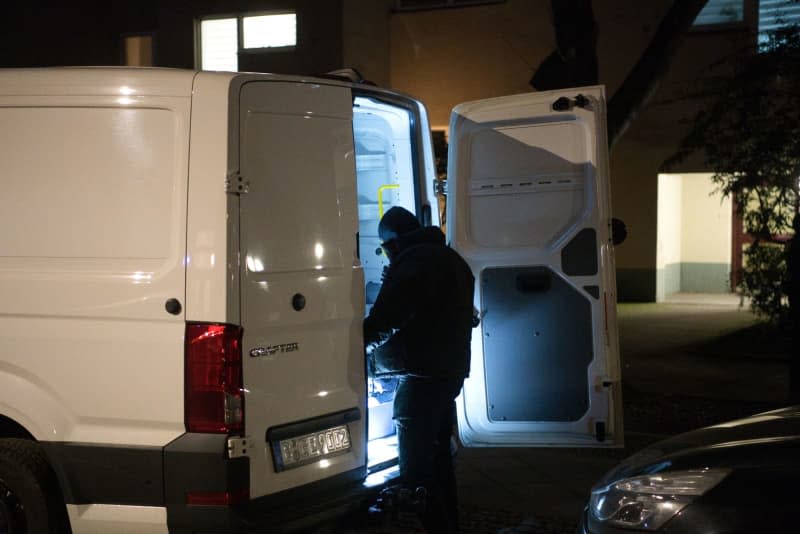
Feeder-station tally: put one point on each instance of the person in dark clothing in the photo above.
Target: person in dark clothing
(419, 329)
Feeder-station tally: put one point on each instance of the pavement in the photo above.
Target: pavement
(690, 360)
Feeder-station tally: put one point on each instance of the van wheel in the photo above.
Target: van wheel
(27, 485)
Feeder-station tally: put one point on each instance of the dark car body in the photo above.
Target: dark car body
(759, 457)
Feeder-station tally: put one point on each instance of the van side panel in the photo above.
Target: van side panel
(92, 245)
(103, 518)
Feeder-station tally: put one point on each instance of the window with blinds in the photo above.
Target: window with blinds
(775, 14)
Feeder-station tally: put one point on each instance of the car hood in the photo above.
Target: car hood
(773, 435)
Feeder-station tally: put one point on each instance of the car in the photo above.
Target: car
(737, 476)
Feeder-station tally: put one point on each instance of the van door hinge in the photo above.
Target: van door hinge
(236, 184)
(239, 447)
(440, 187)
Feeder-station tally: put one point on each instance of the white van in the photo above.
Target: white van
(186, 259)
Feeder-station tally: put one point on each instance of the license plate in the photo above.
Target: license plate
(308, 448)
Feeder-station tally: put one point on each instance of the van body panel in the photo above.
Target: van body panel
(98, 195)
(212, 249)
(101, 518)
(428, 177)
(72, 404)
(529, 209)
(302, 286)
(96, 82)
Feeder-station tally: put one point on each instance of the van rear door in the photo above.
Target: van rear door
(529, 209)
(302, 287)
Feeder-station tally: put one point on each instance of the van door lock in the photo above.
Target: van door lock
(238, 446)
(566, 104)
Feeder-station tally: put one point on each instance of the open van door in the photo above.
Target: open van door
(529, 209)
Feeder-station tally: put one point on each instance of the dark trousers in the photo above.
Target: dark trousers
(424, 413)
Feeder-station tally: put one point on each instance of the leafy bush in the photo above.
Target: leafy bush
(763, 280)
(750, 136)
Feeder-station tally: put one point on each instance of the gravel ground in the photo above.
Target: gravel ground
(470, 521)
(650, 416)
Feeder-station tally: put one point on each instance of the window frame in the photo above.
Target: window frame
(763, 35)
(398, 5)
(240, 30)
(240, 49)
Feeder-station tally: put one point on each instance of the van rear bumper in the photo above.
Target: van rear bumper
(196, 463)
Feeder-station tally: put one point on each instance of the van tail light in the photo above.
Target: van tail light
(214, 395)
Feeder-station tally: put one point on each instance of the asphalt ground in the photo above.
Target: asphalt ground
(691, 362)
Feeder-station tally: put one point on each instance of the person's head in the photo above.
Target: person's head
(394, 224)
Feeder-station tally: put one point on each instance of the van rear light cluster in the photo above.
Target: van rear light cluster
(214, 399)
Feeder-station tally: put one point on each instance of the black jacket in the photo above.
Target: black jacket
(421, 322)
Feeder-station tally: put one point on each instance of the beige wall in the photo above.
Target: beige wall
(706, 231)
(694, 235)
(365, 34)
(670, 201)
(449, 56)
(669, 233)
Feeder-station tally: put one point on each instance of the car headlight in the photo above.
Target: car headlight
(648, 501)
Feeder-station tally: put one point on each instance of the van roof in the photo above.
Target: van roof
(96, 81)
(139, 81)
(116, 81)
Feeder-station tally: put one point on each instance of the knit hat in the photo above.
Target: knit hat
(397, 222)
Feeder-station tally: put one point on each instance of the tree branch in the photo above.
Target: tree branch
(574, 61)
(645, 77)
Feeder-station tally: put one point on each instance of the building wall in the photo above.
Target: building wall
(668, 249)
(449, 56)
(653, 137)
(694, 236)
(73, 34)
(365, 33)
(68, 33)
(319, 34)
(705, 236)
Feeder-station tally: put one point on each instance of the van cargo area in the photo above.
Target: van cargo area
(385, 170)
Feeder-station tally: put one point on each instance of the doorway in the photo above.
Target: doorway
(694, 242)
